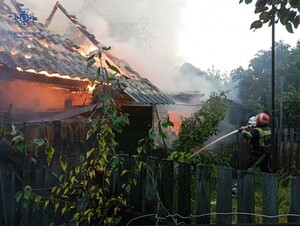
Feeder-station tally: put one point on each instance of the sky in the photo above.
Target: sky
(155, 37)
(217, 33)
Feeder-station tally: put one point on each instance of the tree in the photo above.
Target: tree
(196, 129)
(254, 83)
(291, 107)
(272, 11)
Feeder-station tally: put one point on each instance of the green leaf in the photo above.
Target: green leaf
(118, 129)
(296, 21)
(13, 130)
(19, 142)
(107, 63)
(91, 62)
(19, 196)
(113, 68)
(124, 172)
(27, 192)
(39, 142)
(89, 134)
(4, 133)
(139, 150)
(153, 145)
(289, 27)
(63, 163)
(64, 210)
(49, 151)
(152, 135)
(88, 154)
(248, 1)
(46, 203)
(105, 96)
(56, 206)
(99, 72)
(256, 24)
(90, 58)
(265, 17)
(141, 141)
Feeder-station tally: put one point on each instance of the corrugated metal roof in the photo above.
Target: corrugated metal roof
(53, 53)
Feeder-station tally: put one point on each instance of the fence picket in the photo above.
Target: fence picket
(294, 200)
(151, 199)
(224, 195)
(135, 197)
(203, 193)
(184, 191)
(246, 196)
(166, 185)
(270, 197)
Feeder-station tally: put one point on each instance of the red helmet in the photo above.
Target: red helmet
(262, 119)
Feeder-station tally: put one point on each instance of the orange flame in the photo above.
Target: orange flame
(52, 74)
(13, 52)
(90, 88)
(86, 49)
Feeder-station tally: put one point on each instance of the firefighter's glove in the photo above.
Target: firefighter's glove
(243, 128)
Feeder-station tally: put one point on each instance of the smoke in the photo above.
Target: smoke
(144, 33)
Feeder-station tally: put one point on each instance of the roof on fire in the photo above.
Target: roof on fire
(57, 54)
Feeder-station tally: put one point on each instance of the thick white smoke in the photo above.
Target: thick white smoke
(144, 33)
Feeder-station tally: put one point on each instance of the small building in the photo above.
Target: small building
(44, 78)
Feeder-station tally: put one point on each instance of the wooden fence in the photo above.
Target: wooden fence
(165, 190)
(168, 192)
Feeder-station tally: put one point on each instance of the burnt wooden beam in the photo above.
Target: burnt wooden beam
(66, 114)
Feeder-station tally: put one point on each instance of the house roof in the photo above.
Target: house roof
(35, 47)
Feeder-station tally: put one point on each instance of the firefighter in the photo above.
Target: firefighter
(252, 122)
(260, 143)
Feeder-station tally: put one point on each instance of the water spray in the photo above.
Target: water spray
(215, 141)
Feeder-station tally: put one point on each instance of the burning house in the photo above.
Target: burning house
(43, 76)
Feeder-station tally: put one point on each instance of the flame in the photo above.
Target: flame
(13, 52)
(86, 49)
(19, 69)
(52, 74)
(90, 88)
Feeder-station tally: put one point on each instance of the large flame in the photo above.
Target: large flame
(90, 87)
(86, 49)
(52, 74)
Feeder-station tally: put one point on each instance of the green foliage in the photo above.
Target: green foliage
(84, 193)
(196, 129)
(148, 143)
(291, 98)
(287, 12)
(255, 85)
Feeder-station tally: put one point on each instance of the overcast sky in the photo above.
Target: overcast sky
(156, 36)
(216, 32)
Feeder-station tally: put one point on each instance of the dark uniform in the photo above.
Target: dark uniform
(260, 143)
